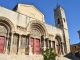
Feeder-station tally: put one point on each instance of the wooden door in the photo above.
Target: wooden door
(2, 44)
(57, 49)
(32, 44)
(37, 46)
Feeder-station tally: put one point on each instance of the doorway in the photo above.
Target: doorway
(2, 38)
(35, 45)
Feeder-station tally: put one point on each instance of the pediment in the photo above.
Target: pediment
(30, 11)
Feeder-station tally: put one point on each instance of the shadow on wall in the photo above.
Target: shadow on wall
(72, 56)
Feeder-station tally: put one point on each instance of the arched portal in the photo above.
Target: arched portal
(37, 31)
(59, 48)
(6, 27)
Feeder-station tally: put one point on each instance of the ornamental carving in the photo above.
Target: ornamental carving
(36, 33)
(21, 28)
(7, 21)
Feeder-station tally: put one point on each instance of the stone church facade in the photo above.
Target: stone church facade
(23, 30)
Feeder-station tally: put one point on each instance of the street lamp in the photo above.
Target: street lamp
(79, 33)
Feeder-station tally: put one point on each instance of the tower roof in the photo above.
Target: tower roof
(58, 7)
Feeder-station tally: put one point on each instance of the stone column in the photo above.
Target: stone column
(11, 42)
(5, 44)
(51, 44)
(27, 41)
(34, 46)
(27, 47)
(44, 44)
(6, 49)
(19, 44)
(63, 48)
(48, 44)
(55, 47)
(30, 49)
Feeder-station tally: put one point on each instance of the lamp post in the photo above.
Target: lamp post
(79, 33)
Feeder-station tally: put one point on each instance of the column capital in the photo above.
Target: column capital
(19, 44)
(46, 36)
(28, 35)
(20, 34)
(7, 38)
(13, 32)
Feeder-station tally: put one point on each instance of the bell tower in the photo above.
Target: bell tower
(60, 22)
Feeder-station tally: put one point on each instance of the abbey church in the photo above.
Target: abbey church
(23, 31)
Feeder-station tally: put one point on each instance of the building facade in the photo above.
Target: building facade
(75, 49)
(23, 30)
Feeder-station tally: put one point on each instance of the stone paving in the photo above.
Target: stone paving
(29, 57)
(20, 57)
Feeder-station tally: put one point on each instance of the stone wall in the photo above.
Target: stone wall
(22, 21)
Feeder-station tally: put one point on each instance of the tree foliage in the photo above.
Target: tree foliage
(49, 54)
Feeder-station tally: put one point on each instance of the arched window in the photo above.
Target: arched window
(58, 21)
(64, 19)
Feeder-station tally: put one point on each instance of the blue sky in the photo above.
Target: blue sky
(71, 7)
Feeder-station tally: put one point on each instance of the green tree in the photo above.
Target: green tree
(49, 54)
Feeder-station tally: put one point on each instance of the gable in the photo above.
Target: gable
(30, 11)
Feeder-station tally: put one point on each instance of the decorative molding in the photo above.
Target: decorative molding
(21, 28)
(51, 37)
(8, 21)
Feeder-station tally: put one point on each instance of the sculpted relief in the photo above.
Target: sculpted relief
(35, 32)
(21, 28)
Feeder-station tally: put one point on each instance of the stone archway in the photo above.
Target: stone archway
(8, 22)
(3, 32)
(37, 23)
(59, 47)
(6, 27)
(37, 31)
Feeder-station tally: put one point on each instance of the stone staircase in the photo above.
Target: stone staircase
(20, 57)
(32, 57)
